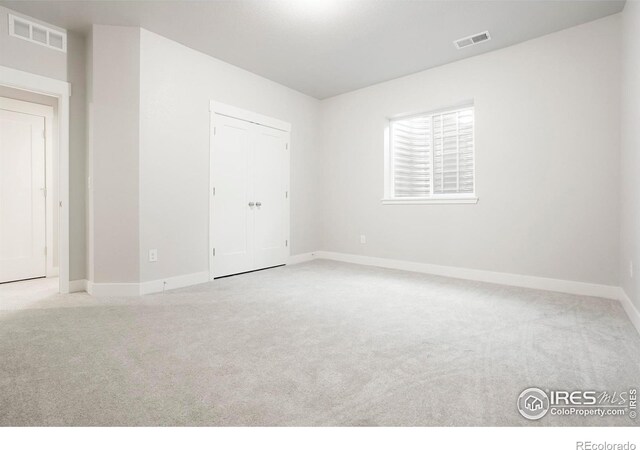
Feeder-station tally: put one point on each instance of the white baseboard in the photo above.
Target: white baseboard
(147, 287)
(509, 279)
(77, 286)
(630, 309)
(302, 257)
(150, 287)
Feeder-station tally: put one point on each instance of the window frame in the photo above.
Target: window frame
(389, 180)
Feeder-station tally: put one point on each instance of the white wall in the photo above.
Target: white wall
(547, 158)
(113, 103)
(176, 85)
(630, 161)
(27, 56)
(77, 156)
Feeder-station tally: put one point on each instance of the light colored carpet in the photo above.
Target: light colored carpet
(319, 343)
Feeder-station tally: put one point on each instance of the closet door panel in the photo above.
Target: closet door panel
(270, 176)
(233, 219)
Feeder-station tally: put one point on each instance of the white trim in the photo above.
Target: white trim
(34, 83)
(630, 309)
(212, 132)
(429, 201)
(78, 286)
(248, 116)
(26, 107)
(457, 107)
(302, 257)
(149, 287)
(61, 90)
(546, 284)
(526, 281)
(287, 212)
(509, 279)
(46, 112)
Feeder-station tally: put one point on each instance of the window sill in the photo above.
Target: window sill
(430, 201)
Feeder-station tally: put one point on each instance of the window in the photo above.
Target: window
(430, 158)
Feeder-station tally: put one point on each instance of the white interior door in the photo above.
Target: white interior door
(270, 192)
(232, 216)
(22, 196)
(250, 204)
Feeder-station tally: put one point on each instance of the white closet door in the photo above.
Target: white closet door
(270, 174)
(232, 217)
(22, 198)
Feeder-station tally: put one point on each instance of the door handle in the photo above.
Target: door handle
(258, 204)
(251, 204)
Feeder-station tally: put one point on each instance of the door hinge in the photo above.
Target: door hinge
(214, 131)
(286, 243)
(286, 194)
(214, 252)
(287, 146)
(44, 192)
(214, 191)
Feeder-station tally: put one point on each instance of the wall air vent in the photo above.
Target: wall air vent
(472, 40)
(38, 34)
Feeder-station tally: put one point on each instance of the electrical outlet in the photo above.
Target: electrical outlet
(153, 255)
(631, 268)
(363, 239)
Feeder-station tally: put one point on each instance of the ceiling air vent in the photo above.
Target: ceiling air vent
(472, 40)
(37, 33)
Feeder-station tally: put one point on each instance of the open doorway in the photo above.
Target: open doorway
(29, 219)
(34, 106)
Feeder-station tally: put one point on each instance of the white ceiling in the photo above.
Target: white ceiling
(327, 47)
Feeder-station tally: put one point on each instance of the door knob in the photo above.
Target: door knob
(258, 203)
(251, 204)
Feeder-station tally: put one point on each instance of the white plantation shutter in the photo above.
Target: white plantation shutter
(432, 155)
(411, 141)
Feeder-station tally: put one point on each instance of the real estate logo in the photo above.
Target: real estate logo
(533, 403)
